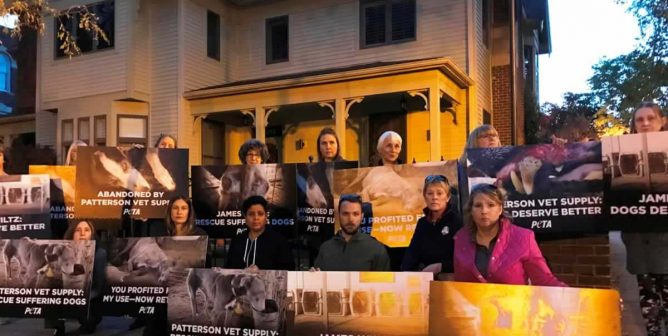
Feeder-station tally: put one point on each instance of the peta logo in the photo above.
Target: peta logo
(445, 231)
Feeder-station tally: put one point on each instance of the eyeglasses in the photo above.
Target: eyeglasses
(436, 178)
(488, 136)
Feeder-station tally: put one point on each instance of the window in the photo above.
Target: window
(387, 21)
(486, 117)
(100, 130)
(83, 129)
(5, 72)
(213, 35)
(86, 39)
(66, 136)
(277, 39)
(132, 130)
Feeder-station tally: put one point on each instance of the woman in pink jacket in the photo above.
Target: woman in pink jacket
(489, 248)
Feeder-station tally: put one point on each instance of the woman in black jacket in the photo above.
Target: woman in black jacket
(259, 247)
(432, 246)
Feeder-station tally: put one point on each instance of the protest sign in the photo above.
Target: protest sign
(135, 182)
(219, 191)
(548, 188)
(45, 278)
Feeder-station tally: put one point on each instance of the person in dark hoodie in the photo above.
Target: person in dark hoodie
(432, 246)
(350, 249)
(259, 247)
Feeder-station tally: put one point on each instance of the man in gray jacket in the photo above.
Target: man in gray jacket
(350, 249)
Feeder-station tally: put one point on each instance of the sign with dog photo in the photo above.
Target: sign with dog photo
(219, 191)
(45, 278)
(548, 188)
(315, 203)
(220, 301)
(392, 196)
(135, 182)
(358, 303)
(635, 167)
(140, 271)
(25, 206)
(62, 194)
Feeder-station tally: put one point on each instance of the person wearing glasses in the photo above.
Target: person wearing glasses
(489, 248)
(351, 249)
(432, 245)
(259, 247)
(253, 152)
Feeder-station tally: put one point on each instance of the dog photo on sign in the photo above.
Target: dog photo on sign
(151, 261)
(229, 298)
(32, 263)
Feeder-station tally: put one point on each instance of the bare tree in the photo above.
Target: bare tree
(31, 15)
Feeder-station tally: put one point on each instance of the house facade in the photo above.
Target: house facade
(215, 73)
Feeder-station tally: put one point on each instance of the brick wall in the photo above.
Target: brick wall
(580, 261)
(501, 116)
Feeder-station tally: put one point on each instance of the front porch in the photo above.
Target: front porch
(428, 102)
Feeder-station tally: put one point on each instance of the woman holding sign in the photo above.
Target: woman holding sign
(85, 230)
(432, 246)
(180, 219)
(259, 247)
(492, 249)
(328, 146)
(646, 253)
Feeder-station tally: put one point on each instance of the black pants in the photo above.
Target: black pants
(653, 301)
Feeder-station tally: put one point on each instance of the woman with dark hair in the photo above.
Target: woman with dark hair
(259, 247)
(253, 152)
(328, 146)
(180, 218)
(432, 245)
(647, 252)
(85, 230)
(490, 248)
(165, 141)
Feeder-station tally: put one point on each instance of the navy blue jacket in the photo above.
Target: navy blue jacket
(433, 242)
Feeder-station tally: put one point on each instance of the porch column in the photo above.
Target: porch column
(259, 123)
(434, 125)
(340, 117)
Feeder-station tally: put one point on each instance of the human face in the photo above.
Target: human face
(488, 139)
(256, 218)
(436, 197)
(350, 216)
(646, 120)
(485, 212)
(253, 156)
(179, 212)
(73, 155)
(82, 231)
(390, 151)
(328, 147)
(167, 142)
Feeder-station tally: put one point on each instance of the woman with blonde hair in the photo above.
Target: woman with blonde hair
(490, 248)
(71, 158)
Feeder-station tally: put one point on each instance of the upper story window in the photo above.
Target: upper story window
(277, 39)
(86, 40)
(387, 21)
(213, 35)
(5, 72)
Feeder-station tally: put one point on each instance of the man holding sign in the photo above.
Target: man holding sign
(350, 249)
